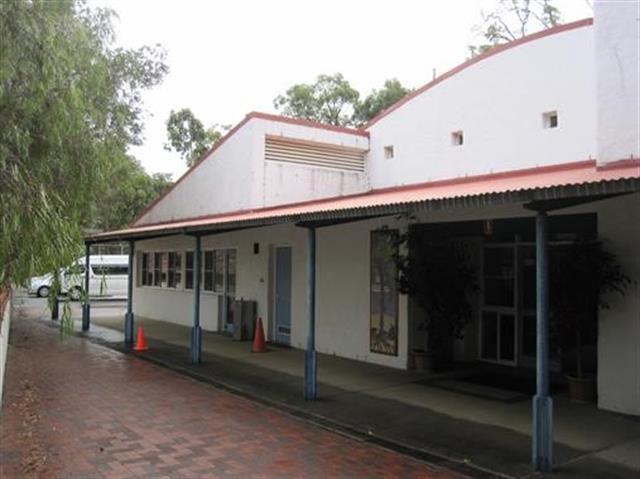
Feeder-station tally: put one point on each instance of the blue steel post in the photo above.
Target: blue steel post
(196, 331)
(542, 428)
(86, 306)
(128, 317)
(310, 360)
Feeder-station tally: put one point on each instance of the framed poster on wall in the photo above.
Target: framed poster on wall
(383, 293)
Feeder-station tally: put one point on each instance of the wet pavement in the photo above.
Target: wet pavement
(73, 408)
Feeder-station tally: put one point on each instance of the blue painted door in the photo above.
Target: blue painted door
(283, 295)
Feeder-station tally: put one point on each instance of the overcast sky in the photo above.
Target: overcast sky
(228, 58)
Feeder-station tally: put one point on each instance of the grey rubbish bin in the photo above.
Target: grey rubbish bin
(244, 317)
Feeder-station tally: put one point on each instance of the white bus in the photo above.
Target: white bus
(108, 277)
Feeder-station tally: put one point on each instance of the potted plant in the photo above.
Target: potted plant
(583, 276)
(437, 273)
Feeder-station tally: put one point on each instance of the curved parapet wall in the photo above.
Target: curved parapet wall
(494, 113)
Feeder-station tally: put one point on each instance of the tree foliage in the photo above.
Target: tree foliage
(123, 199)
(513, 19)
(70, 102)
(585, 276)
(332, 100)
(188, 136)
(439, 275)
(379, 100)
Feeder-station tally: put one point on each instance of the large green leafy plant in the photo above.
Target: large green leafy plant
(438, 274)
(584, 277)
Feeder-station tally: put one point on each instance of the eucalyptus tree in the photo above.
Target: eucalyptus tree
(70, 102)
(120, 201)
(188, 136)
(330, 99)
(379, 100)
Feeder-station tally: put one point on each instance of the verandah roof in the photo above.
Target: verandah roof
(557, 182)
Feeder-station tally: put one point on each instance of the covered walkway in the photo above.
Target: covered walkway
(539, 191)
(399, 407)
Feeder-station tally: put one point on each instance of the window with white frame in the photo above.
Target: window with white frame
(144, 269)
(231, 271)
(188, 270)
(208, 271)
(159, 271)
(174, 269)
(220, 270)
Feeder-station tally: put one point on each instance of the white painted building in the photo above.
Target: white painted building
(550, 117)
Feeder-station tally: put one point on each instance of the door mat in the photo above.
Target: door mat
(461, 385)
(497, 387)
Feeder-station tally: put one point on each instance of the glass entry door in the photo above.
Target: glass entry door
(498, 322)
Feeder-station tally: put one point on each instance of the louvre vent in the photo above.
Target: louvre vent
(314, 154)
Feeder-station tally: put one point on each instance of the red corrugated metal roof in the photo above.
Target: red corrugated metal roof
(576, 173)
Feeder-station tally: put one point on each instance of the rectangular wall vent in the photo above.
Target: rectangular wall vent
(313, 153)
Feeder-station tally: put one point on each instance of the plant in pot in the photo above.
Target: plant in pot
(438, 275)
(583, 277)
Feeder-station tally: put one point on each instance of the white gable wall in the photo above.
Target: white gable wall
(498, 104)
(224, 181)
(235, 176)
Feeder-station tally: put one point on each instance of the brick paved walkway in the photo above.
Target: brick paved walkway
(76, 409)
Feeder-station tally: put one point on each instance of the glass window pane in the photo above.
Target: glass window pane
(208, 271)
(188, 270)
(489, 335)
(158, 278)
(219, 271)
(171, 270)
(498, 292)
(178, 270)
(144, 268)
(498, 261)
(208, 260)
(529, 335)
(499, 276)
(507, 337)
(529, 277)
(231, 271)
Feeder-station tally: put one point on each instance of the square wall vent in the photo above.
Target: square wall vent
(457, 138)
(550, 119)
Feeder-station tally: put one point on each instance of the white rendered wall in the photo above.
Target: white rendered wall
(617, 40)
(252, 278)
(168, 304)
(342, 312)
(237, 177)
(343, 297)
(498, 103)
(221, 182)
(619, 327)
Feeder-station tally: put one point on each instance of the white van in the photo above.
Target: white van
(107, 278)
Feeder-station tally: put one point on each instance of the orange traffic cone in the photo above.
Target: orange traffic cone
(259, 345)
(141, 344)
